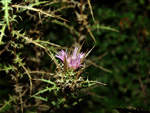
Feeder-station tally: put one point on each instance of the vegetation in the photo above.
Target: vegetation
(63, 55)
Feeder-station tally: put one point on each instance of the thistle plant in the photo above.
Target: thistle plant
(68, 78)
(67, 75)
(69, 72)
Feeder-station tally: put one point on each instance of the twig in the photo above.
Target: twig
(30, 78)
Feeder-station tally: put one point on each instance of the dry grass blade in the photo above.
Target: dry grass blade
(81, 46)
(100, 67)
(46, 42)
(91, 10)
(99, 57)
(96, 82)
(89, 51)
(88, 29)
(40, 72)
(55, 2)
(2, 51)
(79, 72)
(66, 7)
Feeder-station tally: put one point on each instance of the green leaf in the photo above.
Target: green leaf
(47, 81)
(104, 27)
(45, 90)
(2, 33)
(40, 98)
(6, 10)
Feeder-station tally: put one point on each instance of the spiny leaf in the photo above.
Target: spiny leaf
(47, 42)
(41, 91)
(6, 103)
(104, 27)
(91, 83)
(2, 33)
(40, 98)
(6, 9)
(48, 81)
(45, 90)
(39, 11)
(8, 68)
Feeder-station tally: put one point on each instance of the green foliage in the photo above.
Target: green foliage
(7, 104)
(6, 9)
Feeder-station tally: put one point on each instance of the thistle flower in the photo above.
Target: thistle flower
(73, 60)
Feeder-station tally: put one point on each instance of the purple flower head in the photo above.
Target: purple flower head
(73, 60)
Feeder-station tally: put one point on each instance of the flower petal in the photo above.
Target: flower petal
(74, 60)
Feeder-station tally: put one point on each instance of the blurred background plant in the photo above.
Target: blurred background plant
(32, 32)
